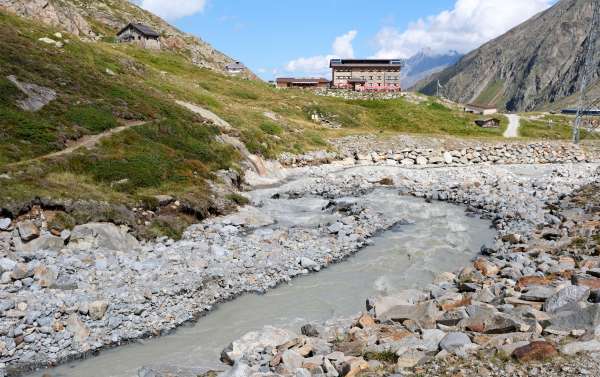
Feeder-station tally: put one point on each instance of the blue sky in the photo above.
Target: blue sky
(296, 38)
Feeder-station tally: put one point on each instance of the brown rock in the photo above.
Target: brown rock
(587, 281)
(28, 230)
(527, 281)
(366, 321)
(356, 366)
(535, 351)
(486, 267)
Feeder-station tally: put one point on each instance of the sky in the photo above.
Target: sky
(276, 38)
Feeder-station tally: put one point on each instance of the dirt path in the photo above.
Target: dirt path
(514, 122)
(88, 142)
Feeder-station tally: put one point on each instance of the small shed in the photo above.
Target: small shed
(488, 123)
(235, 68)
(140, 34)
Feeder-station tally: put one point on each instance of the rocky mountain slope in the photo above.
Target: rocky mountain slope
(101, 19)
(425, 64)
(535, 65)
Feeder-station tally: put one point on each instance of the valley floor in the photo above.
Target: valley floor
(64, 302)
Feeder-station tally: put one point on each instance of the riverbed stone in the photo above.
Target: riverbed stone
(5, 223)
(97, 309)
(28, 230)
(568, 295)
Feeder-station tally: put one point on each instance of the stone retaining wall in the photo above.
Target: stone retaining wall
(505, 153)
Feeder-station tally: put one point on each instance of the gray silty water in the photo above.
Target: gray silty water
(439, 237)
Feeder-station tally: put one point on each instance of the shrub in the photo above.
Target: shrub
(271, 128)
(92, 118)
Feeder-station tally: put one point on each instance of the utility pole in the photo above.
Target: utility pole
(588, 54)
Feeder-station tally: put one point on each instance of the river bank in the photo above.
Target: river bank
(532, 297)
(118, 296)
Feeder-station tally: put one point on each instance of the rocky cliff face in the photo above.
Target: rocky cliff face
(535, 65)
(95, 20)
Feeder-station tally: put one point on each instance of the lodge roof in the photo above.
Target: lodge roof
(365, 63)
(302, 80)
(143, 29)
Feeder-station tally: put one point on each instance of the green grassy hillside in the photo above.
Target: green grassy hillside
(101, 85)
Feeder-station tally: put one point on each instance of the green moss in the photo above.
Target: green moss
(93, 118)
(271, 128)
(60, 221)
(384, 357)
(238, 199)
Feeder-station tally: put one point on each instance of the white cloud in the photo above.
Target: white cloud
(470, 24)
(342, 48)
(172, 10)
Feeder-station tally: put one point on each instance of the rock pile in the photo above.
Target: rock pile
(533, 153)
(533, 296)
(58, 304)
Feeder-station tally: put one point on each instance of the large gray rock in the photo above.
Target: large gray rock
(5, 224)
(569, 295)
(457, 343)
(578, 316)
(267, 337)
(406, 297)
(28, 230)
(239, 370)
(97, 309)
(7, 264)
(37, 96)
(577, 347)
(46, 242)
(292, 359)
(102, 236)
(425, 314)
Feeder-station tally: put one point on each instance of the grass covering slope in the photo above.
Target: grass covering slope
(102, 84)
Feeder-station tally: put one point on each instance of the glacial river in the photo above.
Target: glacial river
(440, 238)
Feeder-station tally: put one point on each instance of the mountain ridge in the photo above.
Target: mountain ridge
(535, 65)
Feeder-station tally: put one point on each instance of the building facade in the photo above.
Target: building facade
(303, 83)
(140, 34)
(366, 74)
(236, 68)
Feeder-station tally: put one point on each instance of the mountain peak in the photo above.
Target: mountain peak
(535, 65)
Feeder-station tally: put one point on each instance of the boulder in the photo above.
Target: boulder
(535, 351)
(269, 337)
(5, 224)
(456, 342)
(28, 230)
(575, 316)
(486, 267)
(7, 264)
(537, 293)
(102, 236)
(309, 264)
(21, 271)
(97, 310)
(448, 157)
(45, 276)
(45, 242)
(569, 295)
(77, 328)
(292, 359)
(578, 347)
(405, 297)
(425, 313)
